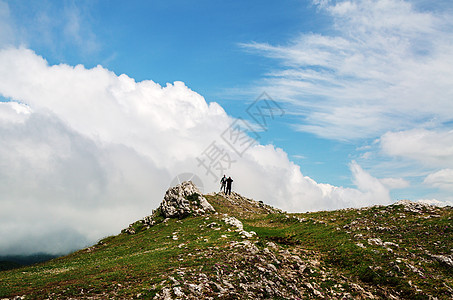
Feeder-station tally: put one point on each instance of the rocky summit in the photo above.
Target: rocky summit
(182, 200)
(179, 201)
(215, 246)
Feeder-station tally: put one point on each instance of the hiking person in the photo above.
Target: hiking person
(228, 186)
(223, 182)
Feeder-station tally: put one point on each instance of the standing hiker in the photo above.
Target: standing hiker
(228, 186)
(223, 182)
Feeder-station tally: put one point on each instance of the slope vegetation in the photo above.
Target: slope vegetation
(249, 250)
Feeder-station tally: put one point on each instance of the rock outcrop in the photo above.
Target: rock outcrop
(179, 201)
(183, 200)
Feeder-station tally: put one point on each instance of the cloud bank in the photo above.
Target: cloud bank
(84, 152)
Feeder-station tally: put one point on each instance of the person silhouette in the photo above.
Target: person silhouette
(228, 186)
(223, 184)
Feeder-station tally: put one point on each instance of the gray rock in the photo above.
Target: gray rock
(376, 241)
(129, 230)
(178, 292)
(184, 199)
(232, 221)
(443, 259)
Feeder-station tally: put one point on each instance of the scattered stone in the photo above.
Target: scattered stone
(272, 267)
(212, 225)
(166, 294)
(129, 230)
(375, 241)
(387, 244)
(271, 245)
(415, 269)
(246, 234)
(178, 292)
(443, 259)
(415, 207)
(313, 290)
(232, 221)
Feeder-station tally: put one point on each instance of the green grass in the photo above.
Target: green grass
(125, 266)
(373, 265)
(124, 259)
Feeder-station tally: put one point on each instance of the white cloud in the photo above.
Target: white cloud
(383, 66)
(114, 109)
(85, 152)
(366, 155)
(56, 182)
(433, 148)
(442, 179)
(367, 183)
(269, 172)
(395, 183)
(13, 112)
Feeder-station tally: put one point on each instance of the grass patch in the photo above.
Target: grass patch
(140, 264)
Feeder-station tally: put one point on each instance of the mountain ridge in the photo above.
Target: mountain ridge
(247, 249)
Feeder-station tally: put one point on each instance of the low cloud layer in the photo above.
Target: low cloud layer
(85, 152)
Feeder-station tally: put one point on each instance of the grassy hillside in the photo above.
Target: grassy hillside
(399, 251)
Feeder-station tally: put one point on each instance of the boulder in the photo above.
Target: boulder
(234, 222)
(183, 200)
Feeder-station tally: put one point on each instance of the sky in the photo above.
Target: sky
(307, 105)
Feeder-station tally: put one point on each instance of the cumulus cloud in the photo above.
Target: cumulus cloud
(383, 66)
(271, 173)
(85, 152)
(57, 183)
(424, 155)
(442, 179)
(429, 147)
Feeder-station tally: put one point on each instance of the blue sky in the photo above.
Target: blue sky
(365, 86)
(168, 40)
